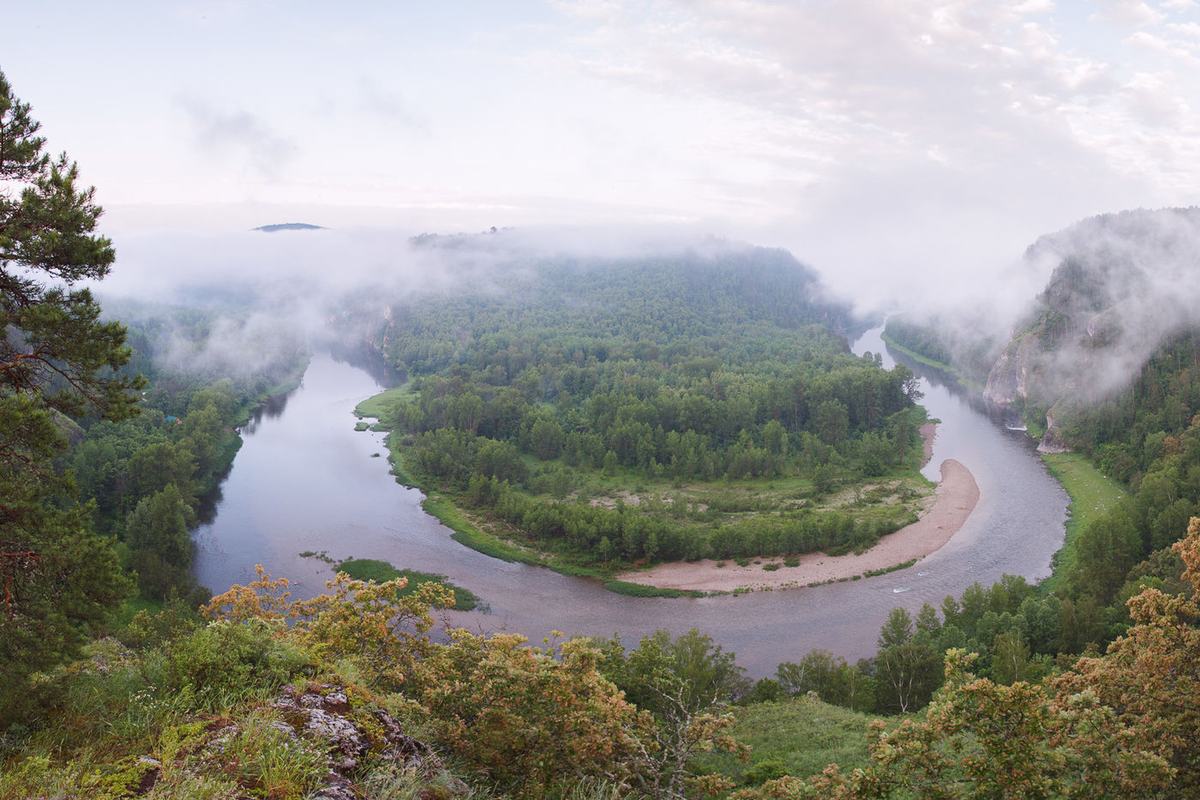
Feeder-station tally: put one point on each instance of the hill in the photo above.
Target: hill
(288, 226)
(598, 413)
(1123, 286)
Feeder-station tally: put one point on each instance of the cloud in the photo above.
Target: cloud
(385, 103)
(897, 133)
(239, 135)
(1129, 13)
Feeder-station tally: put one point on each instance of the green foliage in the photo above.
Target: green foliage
(57, 360)
(663, 674)
(532, 720)
(830, 678)
(369, 569)
(1092, 495)
(798, 735)
(941, 344)
(221, 660)
(539, 398)
(641, 590)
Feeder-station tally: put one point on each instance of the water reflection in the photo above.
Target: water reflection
(306, 481)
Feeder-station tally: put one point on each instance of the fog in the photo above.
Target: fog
(269, 290)
(1135, 278)
(274, 288)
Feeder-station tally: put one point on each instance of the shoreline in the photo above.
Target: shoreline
(954, 500)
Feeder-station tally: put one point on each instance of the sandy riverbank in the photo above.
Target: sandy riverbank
(954, 499)
(928, 433)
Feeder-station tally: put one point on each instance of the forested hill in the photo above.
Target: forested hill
(539, 383)
(1123, 285)
(688, 294)
(1109, 359)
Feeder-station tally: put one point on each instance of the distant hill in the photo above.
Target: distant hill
(289, 226)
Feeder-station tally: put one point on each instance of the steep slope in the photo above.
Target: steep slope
(1123, 285)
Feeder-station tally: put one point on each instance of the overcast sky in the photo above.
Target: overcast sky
(872, 138)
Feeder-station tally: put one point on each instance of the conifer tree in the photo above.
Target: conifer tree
(57, 360)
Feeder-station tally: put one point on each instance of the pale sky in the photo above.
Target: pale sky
(873, 139)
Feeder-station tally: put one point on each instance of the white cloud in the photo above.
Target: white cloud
(238, 134)
(1129, 13)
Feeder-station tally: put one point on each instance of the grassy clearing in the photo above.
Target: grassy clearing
(370, 569)
(380, 406)
(468, 534)
(638, 590)
(796, 736)
(1092, 494)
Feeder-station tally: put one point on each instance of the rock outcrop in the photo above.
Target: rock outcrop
(321, 721)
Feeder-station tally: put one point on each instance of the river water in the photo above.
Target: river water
(305, 480)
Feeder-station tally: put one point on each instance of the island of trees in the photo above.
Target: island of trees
(603, 414)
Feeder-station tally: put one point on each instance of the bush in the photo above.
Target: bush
(224, 659)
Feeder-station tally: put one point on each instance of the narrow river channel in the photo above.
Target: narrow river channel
(305, 480)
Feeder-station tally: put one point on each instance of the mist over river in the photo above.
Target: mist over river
(305, 480)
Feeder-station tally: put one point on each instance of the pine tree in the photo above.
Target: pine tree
(57, 360)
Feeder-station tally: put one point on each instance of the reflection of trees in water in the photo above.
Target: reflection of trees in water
(1005, 416)
(206, 510)
(272, 408)
(369, 361)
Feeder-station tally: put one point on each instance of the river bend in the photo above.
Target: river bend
(305, 480)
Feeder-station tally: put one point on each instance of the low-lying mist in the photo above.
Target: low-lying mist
(261, 291)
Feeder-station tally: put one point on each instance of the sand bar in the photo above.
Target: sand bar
(954, 500)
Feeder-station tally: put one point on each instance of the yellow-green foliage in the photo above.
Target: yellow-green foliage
(528, 717)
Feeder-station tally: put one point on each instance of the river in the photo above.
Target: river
(305, 480)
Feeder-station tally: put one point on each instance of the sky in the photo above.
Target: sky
(903, 149)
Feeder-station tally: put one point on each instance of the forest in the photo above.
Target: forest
(120, 678)
(631, 412)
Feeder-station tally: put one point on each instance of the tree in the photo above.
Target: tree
(57, 359)
(907, 666)
(683, 684)
(157, 535)
(980, 741)
(1151, 675)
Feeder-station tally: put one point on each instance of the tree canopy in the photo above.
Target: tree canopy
(57, 360)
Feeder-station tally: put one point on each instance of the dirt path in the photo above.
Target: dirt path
(954, 500)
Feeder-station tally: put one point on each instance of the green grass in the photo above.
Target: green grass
(370, 569)
(797, 736)
(871, 573)
(1092, 494)
(1035, 424)
(132, 605)
(467, 534)
(638, 590)
(380, 406)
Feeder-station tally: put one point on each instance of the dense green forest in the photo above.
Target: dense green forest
(647, 410)
(525, 403)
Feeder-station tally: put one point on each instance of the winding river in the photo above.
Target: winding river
(305, 480)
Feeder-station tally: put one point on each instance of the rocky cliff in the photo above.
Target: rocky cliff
(1122, 285)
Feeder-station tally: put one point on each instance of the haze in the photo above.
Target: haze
(904, 150)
